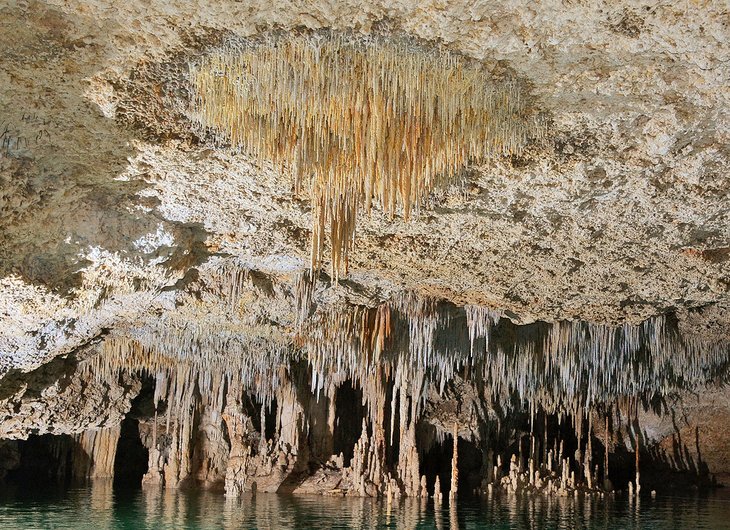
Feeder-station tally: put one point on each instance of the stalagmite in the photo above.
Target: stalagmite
(437, 495)
(606, 481)
(545, 438)
(637, 450)
(532, 472)
(455, 464)
(587, 461)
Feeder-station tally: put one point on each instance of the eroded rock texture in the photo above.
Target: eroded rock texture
(543, 314)
(63, 398)
(413, 397)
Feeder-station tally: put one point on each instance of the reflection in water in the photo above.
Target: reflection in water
(101, 507)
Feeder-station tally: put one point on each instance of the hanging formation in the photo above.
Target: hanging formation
(385, 384)
(359, 120)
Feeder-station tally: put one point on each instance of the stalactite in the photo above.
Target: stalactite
(583, 365)
(480, 321)
(303, 295)
(359, 120)
(401, 356)
(231, 279)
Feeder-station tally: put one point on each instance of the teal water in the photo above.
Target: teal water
(101, 507)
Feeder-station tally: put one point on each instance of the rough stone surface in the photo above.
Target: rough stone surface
(692, 436)
(115, 213)
(62, 398)
(620, 214)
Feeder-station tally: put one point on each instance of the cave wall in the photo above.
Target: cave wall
(62, 397)
(122, 223)
(618, 215)
(197, 430)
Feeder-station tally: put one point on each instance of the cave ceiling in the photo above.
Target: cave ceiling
(117, 208)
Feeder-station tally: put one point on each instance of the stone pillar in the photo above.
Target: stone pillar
(210, 451)
(455, 464)
(239, 426)
(94, 453)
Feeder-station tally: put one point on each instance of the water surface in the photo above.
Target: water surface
(102, 507)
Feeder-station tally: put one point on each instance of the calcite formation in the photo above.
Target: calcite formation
(352, 400)
(359, 120)
(527, 210)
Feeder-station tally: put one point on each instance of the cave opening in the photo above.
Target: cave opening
(349, 414)
(132, 456)
(252, 408)
(43, 460)
(436, 461)
(470, 467)
(269, 428)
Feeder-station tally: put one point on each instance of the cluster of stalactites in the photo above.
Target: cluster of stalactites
(579, 371)
(252, 364)
(359, 120)
(211, 333)
(562, 367)
(573, 366)
(576, 364)
(480, 321)
(340, 341)
(232, 280)
(357, 340)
